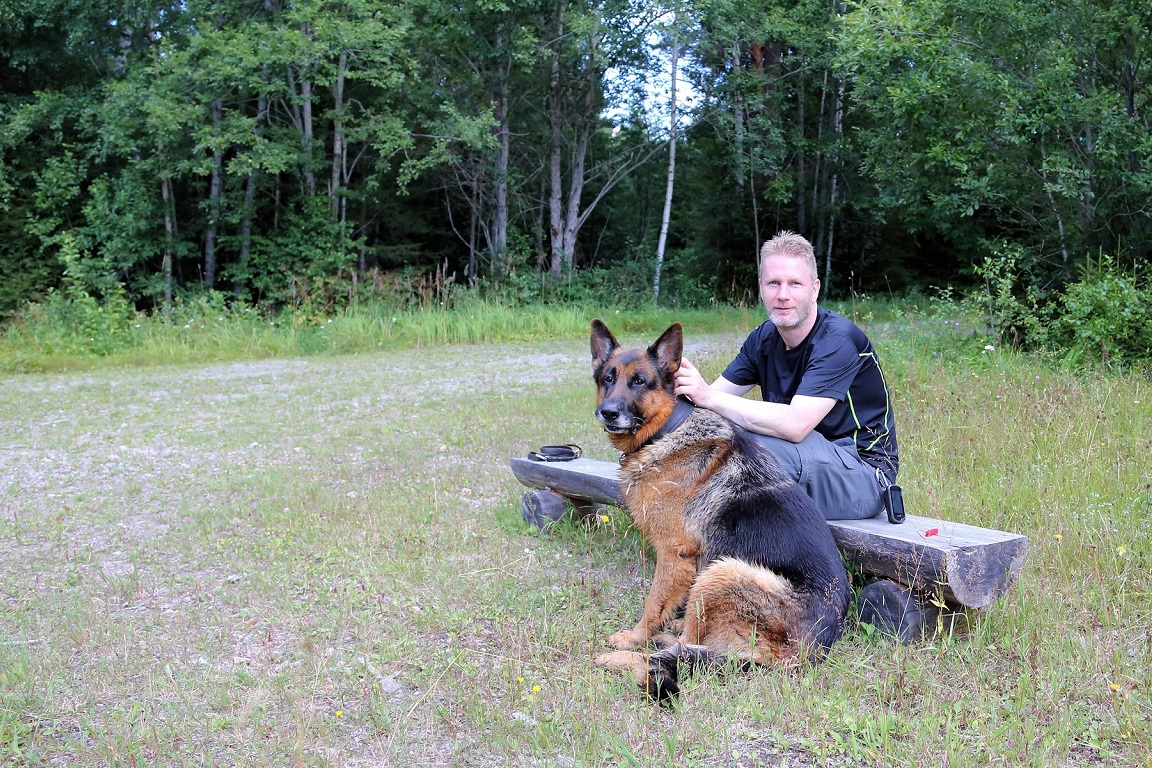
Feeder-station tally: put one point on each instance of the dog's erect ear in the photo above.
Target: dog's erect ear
(603, 342)
(668, 348)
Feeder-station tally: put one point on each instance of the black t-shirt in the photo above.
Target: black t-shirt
(836, 360)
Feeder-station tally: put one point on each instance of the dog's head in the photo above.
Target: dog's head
(634, 387)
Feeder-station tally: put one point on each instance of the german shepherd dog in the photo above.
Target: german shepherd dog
(740, 548)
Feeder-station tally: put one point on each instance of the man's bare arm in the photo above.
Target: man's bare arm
(791, 421)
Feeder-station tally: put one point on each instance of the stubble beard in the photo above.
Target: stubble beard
(786, 321)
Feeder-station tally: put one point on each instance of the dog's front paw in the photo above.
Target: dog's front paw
(627, 640)
(616, 660)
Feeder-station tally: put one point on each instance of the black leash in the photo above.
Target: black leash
(556, 453)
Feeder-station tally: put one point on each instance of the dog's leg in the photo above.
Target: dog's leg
(675, 572)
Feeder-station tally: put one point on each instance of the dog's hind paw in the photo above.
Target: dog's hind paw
(655, 675)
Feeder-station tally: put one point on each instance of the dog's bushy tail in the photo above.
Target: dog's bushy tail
(662, 683)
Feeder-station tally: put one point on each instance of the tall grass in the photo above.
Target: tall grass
(205, 331)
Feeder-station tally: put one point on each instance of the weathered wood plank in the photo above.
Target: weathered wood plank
(967, 565)
(589, 479)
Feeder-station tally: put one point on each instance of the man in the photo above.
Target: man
(826, 413)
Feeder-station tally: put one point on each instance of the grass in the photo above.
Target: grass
(319, 560)
(205, 330)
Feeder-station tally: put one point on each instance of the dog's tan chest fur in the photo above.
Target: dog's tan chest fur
(662, 483)
(658, 504)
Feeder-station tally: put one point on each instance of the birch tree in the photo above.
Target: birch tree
(673, 129)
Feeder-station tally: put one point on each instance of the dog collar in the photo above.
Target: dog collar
(680, 414)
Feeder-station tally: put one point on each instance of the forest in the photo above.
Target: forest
(288, 153)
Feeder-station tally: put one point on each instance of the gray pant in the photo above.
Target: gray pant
(844, 486)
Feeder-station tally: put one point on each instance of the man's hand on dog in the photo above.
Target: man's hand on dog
(691, 384)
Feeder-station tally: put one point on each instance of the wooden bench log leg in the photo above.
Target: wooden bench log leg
(542, 508)
(905, 614)
(585, 509)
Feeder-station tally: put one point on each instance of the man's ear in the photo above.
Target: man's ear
(603, 343)
(669, 348)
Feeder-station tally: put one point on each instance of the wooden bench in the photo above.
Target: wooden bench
(930, 572)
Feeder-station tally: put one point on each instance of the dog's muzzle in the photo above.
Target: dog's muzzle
(617, 421)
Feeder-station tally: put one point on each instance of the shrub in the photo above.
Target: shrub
(90, 315)
(1103, 317)
(1018, 312)
(1106, 315)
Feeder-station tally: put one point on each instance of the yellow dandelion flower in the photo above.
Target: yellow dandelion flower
(1058, 536)
(1120, 550)
(1114, 687)
(520, 680)
(605, 519)
(535, 689)
(339, 713)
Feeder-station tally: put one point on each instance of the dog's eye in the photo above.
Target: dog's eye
(608, 378)
(637, 381)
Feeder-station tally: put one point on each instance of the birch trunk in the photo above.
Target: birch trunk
(838, 127)
(169, 231)
(500, 226)
(338, 141)
(306, 137)
(801, 166)
(214, 189)
(671, 173)
(743, 170)
(250, 197)
(575, 192)
(555, 119)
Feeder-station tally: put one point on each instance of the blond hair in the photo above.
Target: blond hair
(788, 244)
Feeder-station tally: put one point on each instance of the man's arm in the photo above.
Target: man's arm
(792, 421)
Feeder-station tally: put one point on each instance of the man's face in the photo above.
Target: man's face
(787, 290)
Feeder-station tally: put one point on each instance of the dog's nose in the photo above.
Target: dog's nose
(607, 414)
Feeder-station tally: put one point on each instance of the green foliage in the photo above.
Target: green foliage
(81, 327)
(91, 315)
(1014, 306)
(289, 152)
(626, 283)
(1106, 315)
(988, 120)
(308, 266)
(1102, 318)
